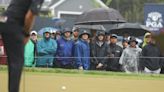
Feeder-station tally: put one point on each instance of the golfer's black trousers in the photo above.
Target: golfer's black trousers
(12, 35)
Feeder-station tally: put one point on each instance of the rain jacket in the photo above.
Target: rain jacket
(46, 50)
(100, 51)
(114, 52)
(145, 42)
(152, 52)
(82, 54)
(130, 59)
(64, 49)
(29, 54)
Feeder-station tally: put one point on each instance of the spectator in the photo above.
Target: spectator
(151, 57)
(46, 49)
(114, 53)
(108, 38)
(93, 35)
(3, 57)
(130, 57)
(82, 51)
(34, 39)
(75, 34)
(125, 43)
(33, 36)
(147, 38)
(53, 34)
(58, 34)
(64, 55)
(99, 52)
(30, 48)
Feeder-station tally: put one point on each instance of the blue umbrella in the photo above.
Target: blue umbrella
(46, 29)
(58, 21)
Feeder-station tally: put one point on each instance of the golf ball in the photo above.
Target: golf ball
(63, 87)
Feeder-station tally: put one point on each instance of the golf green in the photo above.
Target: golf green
(85, 82)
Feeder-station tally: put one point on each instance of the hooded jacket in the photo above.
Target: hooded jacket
(130, 59)
(99, 51)
(65, 50)
(29, 53)
(46, 50)
(145, 42)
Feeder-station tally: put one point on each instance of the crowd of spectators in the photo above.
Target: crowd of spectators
(85, 49)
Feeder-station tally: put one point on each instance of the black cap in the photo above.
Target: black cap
(113, 36)
(133, 39)
(67, 30)
(100, 33)
(84, 32)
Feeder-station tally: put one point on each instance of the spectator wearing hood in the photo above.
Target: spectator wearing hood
(151, 57)
(82, 51)
(147, 38)
(114, 53)
(64, 55)
(99, 52)
(130, 57)
(146, 41)
(30, 50)
(46, 49)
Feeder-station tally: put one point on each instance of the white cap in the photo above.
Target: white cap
(34, 32)
(53, 31)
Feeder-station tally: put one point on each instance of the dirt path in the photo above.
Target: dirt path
(62, 83)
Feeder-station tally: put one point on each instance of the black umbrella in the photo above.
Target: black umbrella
(133, 29)
(100, 16)
(93, 27)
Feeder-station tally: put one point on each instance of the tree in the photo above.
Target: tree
(132, 10)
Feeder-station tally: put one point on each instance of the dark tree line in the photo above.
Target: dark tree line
(132, 10)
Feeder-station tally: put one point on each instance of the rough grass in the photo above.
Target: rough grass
(74, 72)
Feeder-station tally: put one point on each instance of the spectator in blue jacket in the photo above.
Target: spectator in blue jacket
(46, 49)
(64, 55)
(82, 51)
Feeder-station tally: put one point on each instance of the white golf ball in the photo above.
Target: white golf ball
(63, 88)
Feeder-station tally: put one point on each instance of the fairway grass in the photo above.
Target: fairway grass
(62, 80)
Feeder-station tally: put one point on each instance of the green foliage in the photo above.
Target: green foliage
(2, 9)
(107, 2)
(46, 14)
(132, 10)
(97, 5)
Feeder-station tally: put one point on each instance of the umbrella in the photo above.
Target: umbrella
(58, 21)
(133, 29)
(99, 16)
(94, 27)
(46, 29)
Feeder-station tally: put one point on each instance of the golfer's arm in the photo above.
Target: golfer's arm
(29, 20)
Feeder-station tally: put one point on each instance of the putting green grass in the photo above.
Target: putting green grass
(61, 80)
